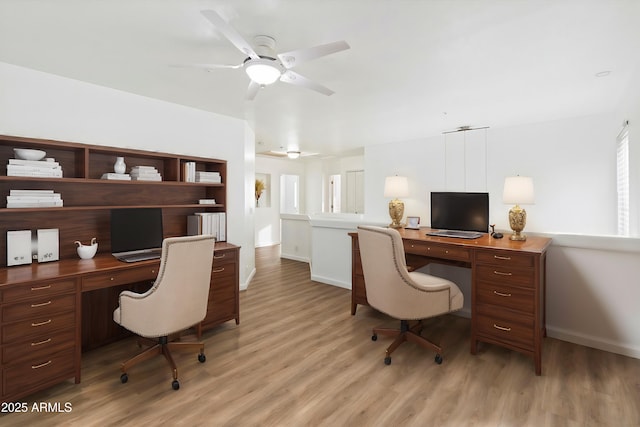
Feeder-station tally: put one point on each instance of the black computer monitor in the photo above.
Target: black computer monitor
(136, 229)
(460, 211)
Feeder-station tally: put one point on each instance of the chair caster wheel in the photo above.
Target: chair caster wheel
(175, 384)
(202, 358)
(387, 360)
(124, 378)
(374, 337)
(438, 359)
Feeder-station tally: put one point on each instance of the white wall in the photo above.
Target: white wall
(40, 105)
(572, 163)
(267, 219)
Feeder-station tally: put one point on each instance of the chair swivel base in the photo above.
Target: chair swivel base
(406, 333)
(162, 346)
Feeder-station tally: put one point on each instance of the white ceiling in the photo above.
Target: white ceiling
(415, 68)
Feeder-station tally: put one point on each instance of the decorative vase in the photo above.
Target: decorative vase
(119, 166)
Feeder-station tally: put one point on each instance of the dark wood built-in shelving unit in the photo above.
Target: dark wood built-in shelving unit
(50, 312)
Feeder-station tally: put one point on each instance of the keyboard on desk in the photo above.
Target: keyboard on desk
(143, 256)
(455, 233)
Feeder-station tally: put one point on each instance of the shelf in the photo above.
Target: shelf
(108, 207)
(105, 181)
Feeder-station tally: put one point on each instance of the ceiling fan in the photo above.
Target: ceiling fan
(263, 65)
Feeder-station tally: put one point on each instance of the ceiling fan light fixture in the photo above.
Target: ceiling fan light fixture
(293, 154)
(262, 71)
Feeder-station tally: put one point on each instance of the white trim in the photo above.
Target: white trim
(332, 282)
(626, 349)
(295, 258)
(244, 286)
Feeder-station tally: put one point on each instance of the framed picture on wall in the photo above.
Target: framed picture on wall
(413, 222)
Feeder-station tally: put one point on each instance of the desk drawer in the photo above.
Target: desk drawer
(435, 250)
(505, 259)
(120, 277)
(223, 257)
(33, 375)
(222, 272)
(505, 275)
(38, 327)
(521, 299)
(505, 326)
(38, 289)
(38, 307)
(36, 349)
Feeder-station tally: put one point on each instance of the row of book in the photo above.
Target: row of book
(190, 174)
(213, 223)
(47, 168)
(210, 177)
(145, 173)
(33, 199)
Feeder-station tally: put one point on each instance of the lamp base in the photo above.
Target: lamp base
(396, 212)
(517, 221)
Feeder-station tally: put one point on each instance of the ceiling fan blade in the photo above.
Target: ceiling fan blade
(294, 78)
(252, 90)
(207, 67)
(230, 33)
(295, 57)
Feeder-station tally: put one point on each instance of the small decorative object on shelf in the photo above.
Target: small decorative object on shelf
(18, 247)
(207, 201)
(29, 154)
(119, 166)
(48, 245)
(87, 251)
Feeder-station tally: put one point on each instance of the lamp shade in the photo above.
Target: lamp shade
(262, 71)
(396, 186)
(518, 190)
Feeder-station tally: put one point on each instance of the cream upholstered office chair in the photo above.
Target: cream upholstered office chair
(176, 301)
(407, 296)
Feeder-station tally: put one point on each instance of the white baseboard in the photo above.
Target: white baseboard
(295, 258)
(329, 281)
(624, 349)
(244, 286)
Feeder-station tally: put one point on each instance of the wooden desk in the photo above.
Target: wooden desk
(507, 285)
(50, 311)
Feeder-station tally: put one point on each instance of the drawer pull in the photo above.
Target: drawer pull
(46, 322)
(33, 344)
(502, 328)
(224, 255)
(446, 252)
(111, 278)
(42, 365)
(506, 258)
(40, 288)
(42, 304)
(153, 272)
(218, 270)
(501, 294)
(500, 273)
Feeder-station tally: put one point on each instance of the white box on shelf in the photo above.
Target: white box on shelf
(18, 247)
(48, 245)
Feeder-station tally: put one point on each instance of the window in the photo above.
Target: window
(622, 180)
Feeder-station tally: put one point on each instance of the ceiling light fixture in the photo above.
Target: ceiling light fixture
(603, 73)
(262, 71)
(293, 154)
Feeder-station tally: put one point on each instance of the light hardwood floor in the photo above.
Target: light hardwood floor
(298, 358)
